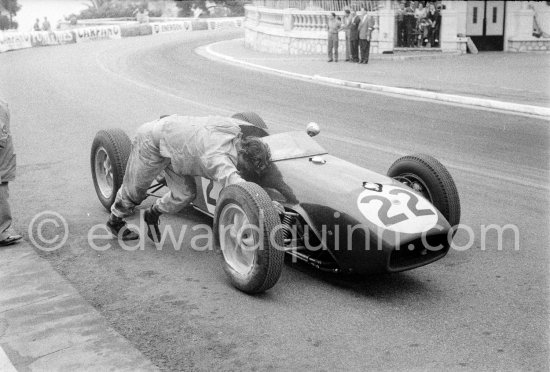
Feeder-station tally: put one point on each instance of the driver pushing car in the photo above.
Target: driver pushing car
(184, 147)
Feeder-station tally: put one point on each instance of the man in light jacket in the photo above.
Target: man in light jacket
(7, 174)
(333, 28)
(365, 31)
(184, 147)
(346, 26)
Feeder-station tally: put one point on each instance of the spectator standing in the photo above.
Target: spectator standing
(36, 26)
(46, 25)
(333, 27)
(210, 6)
(354, 36)
(429, 25)
(400, 18)
(420, 14)
(142, 15)
(7, 174)
(145, 18)
(346, 27)
(196, 10)
(438, 25)
(365, 31)
(410, 24)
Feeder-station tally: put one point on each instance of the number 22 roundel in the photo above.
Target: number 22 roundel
(397, 209)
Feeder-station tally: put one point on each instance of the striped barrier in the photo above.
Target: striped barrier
(10, 40)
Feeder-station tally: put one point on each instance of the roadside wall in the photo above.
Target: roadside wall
(10, 40)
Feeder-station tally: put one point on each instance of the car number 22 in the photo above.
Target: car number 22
(397, 209)
(211, 192)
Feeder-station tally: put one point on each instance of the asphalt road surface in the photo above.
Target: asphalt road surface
(485, 307)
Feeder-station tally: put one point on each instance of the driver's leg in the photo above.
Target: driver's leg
(182, 193)
(144, 165)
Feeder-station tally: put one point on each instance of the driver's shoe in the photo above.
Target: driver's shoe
(151, 218)
(116, 225)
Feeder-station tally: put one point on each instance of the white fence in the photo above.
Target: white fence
(327, 5)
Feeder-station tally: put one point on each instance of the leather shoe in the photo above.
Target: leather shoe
(12, 239)
(116, 225)
(151, 218)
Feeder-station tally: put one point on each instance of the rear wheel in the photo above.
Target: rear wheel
(247, 231)
(429, 177)
(110, 152)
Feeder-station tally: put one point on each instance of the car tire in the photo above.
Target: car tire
(110, 152)
(428, 176)
(252, 118)
(257, 269)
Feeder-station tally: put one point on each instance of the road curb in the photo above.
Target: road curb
(417, 93)
(45, 324)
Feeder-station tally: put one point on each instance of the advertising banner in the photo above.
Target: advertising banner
(14, 40)
(97, 33)
(200, 25)
(164, 27)
(44, 38)
(225, 23)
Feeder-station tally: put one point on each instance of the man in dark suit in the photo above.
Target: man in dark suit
(354, 36)
(365, 31)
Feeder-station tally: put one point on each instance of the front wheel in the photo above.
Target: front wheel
(429, 177)
(110, 152)
(247, 231)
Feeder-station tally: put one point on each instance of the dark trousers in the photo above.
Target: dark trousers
(401, 34)
(365, 49)
(354, 46)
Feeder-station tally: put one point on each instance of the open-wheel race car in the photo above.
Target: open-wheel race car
(338, 216)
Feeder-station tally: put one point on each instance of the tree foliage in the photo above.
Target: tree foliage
(114, 9)
(236, 8)
(12, 7)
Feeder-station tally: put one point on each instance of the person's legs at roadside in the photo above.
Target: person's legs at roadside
(354, 50)
(367, 51)
(5, 218)
(182, 192)
(335, 43)
(330, 47)
(144, 165)
(363, 47)
(348, 46)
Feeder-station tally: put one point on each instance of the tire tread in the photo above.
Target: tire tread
(450, 206)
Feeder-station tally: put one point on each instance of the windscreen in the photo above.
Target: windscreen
(291, 145)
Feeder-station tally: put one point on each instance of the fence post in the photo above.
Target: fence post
(386, 30)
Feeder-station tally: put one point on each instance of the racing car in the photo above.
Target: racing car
(338, 216)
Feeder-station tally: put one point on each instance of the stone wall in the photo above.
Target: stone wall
(529, 45)
(293, 31)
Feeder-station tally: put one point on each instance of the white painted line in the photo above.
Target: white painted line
(510, 107)
(5, 363)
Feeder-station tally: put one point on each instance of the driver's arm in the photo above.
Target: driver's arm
(221, 169)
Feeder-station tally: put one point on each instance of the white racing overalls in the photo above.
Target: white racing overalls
(184, 147)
